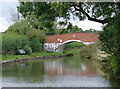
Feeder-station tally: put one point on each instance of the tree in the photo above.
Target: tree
(19, 27)
(36, 36)
(110, 41)
(75, 29)
(48, 11)
(91, 31)
(42, 11)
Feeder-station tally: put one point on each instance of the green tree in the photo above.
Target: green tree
(110, 41)
(48, 11)
(91, 31)
(37, 38)
(19, 28)
(36, 35)
(43, 11)
(76, 29)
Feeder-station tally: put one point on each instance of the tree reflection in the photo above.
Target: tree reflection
(28, 71)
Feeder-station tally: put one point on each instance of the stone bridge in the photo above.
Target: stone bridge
(56, 43)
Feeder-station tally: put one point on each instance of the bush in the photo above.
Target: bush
(89, 51)
(27, 49)
(11, 43)
(36, 35)
(36, 46)
(37, 38)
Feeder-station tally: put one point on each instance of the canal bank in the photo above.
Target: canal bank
(34, 58)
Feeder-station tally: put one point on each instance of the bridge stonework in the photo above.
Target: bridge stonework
(56, 43)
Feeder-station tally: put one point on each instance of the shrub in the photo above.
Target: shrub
(27, 49)
(36, 46)
(89, 51)
(36, 35)
(37, 38)
(11, 43)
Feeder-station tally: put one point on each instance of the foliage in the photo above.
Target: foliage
(73, 47)
(110, 37)
(76, 29)
(110, 41)
(91, 31)
(29, 22)
(37, 38)
(44, 13)
(27, 49)
(23, 28)
(19, 28)
(47, 12)
(36, 35)
(36, 46)
(50, 31)
(89, 51)
(12, 42)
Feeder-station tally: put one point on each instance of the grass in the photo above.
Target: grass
(44, 53)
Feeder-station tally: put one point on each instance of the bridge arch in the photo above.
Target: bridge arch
(56, 43)
(69, 41)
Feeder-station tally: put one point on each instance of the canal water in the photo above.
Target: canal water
(62, 72)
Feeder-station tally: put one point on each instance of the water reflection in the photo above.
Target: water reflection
(59, 68)
(63, 72)
(28, 72)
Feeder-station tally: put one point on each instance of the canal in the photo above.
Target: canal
(62, 72)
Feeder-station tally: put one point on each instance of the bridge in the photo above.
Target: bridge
(56, 43)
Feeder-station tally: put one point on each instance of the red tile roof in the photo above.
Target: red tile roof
(85, 37)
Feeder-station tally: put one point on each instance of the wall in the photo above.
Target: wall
(58, 47)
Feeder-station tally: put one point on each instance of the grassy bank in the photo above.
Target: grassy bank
(90, 51)
(71, 48)
(37, 54)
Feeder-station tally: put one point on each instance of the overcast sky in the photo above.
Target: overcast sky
(7, 5)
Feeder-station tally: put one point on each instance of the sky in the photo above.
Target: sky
(5, 8)
(7, 5)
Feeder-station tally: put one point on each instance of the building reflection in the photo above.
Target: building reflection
(59, 68)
